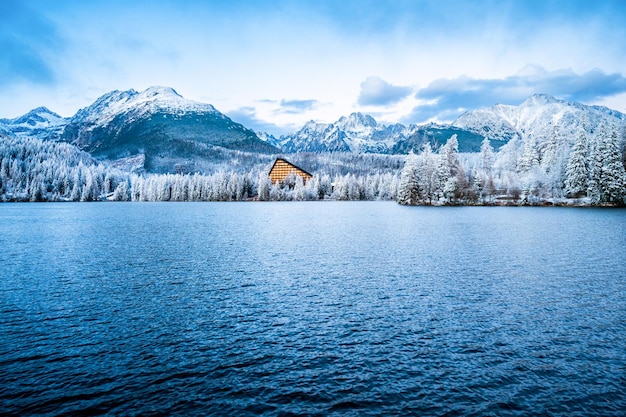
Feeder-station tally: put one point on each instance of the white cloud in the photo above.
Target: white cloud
(320, 56)
(377, 92)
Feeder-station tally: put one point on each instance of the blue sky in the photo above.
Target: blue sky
(273, 65)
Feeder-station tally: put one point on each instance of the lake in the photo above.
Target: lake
(317, 308)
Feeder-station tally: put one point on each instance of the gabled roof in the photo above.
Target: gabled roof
(290, 164)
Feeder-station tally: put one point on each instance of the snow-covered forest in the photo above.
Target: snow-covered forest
(588, 169)
(591, 171)
(36, 170)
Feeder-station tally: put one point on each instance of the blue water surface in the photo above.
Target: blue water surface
(329, 308)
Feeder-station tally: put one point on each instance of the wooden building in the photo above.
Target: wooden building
(282, 168)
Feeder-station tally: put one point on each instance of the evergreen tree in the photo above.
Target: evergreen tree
(530, 156)
(613, 177)
(408, 190)
(577, 172)
(486, 156)
(506, 158)
(448, 164)
(121, 192)
(428, 176)
(549, 153)
(596, 166)
(263, 187)
(298, 189)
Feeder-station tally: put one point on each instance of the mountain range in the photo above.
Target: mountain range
(165, 130)
(157, 123)
(539, 117)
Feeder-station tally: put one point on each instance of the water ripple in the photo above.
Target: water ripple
(311, 309)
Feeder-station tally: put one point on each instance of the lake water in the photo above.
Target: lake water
(329, 308)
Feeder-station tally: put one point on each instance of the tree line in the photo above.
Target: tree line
(588, 169)
(35, 170)
(592, 171)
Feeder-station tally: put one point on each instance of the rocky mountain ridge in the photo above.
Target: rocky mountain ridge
(169, 130)
(537, 118)
(40, 123)
(158, 123)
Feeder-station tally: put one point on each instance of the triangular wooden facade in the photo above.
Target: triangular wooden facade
(282, 168)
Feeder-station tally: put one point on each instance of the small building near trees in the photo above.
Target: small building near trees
(283, 168)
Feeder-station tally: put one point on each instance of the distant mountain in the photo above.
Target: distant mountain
(170, 133)
(361, 133)
(355, 133)
(39, 123)
(316, 137)
(437, 135)
(159, 123)
(270, 139)
(537, 118)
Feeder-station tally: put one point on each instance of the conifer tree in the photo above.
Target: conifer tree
(448, 166)
(577, 172)
(530, 156)
(429, 184)
(596, 166)
(486, 156)
(613, 176)
(408, 190)
(263, 187)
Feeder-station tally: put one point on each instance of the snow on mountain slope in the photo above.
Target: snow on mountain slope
(131, 102)
(169, 129)
(316, 137)
(270, 139)
(159, 121)
(537, 118)
(355, 133)
(362, 134)
(39, 123)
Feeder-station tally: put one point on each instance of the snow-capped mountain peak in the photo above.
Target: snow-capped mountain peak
(159, 123)
(41, 123)
(540, 100)
(539, 117)
(37, 118)
(166, 98)
(355, 133)
(139, 104)
(356, 122)
(159, 90)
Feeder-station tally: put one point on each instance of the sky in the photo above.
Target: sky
(274, 65)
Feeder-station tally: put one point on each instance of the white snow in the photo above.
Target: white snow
(137, 105)
(538, 118)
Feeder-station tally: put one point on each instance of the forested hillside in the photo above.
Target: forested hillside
(158, 146)
(36, 170)
(591, 171)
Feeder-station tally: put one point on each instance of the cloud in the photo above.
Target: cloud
(445, 99)
(247, 116)
(26, 39)
(297, 106)
(377, 92)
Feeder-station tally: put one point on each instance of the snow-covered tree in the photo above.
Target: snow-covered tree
(613, 177)
(597, 152)
(486, 156)
(409, 188)
(121, 192)
(264, 184)
(577, 172)
(449, 165)
(428, 176)
(530, 156)
(506, 158)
